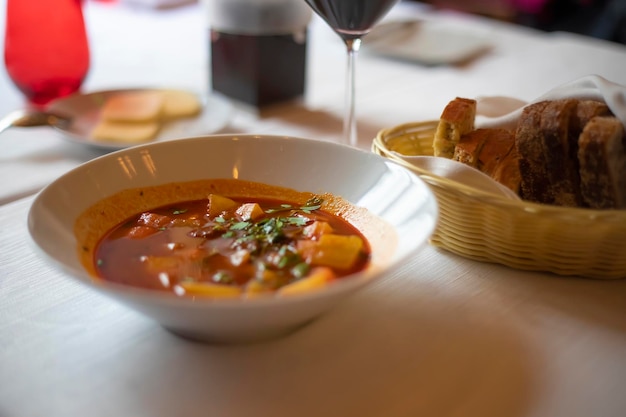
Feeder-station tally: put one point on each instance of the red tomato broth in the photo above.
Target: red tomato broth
(186, 243)
(102, 215)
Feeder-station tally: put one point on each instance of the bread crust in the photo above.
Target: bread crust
(507, 172)
(469, 146)
(456, 120)
(498, 144)
(601, 152)
(532, 164)
(491, 151)
(587, 110)
(560, 145)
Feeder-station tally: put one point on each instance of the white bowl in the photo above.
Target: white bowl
(392, 194)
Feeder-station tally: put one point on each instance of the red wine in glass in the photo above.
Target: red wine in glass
(351, 20)
(46, 50)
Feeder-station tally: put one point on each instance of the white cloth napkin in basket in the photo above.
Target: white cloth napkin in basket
(591, 87)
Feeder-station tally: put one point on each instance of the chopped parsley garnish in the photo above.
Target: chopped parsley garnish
(300, 270)
(312, 204)
(296, 221)
(239, 226)
(264, 234)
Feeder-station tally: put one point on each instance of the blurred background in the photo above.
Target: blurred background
(604, 19)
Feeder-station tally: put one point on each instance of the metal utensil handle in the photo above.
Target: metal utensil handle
(30, 118)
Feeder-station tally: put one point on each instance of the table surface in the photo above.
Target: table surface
(441, 336)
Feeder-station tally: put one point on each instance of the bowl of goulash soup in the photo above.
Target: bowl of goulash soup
(232, 238)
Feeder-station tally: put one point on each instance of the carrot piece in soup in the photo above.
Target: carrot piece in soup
(207, 289)
(335, 251)
(219, 204)
(256, 288)
(317, 278)
(269, 279)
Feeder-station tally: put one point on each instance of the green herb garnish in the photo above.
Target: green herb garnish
(239, 226)
(312, 204)
(222, 277)
(296, 221)
(300, 270)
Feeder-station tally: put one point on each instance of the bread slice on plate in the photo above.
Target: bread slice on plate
(125, 133)
(133, 107)
(179, 104)
(134, 116)
(602, 158)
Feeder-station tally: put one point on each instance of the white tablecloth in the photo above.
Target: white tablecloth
(442, 336)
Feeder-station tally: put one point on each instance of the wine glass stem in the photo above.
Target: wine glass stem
(349, 124)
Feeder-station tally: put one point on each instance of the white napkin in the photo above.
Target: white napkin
(591, 87)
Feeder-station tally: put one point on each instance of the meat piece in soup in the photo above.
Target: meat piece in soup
(223, 247)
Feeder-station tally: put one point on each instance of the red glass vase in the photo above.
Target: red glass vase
(46, 50)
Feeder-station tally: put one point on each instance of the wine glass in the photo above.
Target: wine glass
(351, 20)
(46, 51)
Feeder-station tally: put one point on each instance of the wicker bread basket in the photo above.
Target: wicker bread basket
(522, 235)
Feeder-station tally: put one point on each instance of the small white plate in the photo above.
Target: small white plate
(84, 110)
(427, 42)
